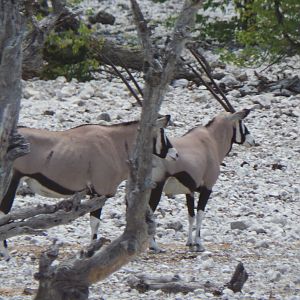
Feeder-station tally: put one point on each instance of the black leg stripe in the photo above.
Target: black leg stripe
(156, 195)
(203, 198)
(190, 204)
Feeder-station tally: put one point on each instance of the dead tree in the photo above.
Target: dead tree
(12, 145)
(71, 279)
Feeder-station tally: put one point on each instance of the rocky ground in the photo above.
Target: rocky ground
(252, 216)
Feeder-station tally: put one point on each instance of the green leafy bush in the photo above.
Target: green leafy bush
(263, 30)
(68, 54)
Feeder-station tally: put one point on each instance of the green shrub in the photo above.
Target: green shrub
(68, 54)
(263, 30)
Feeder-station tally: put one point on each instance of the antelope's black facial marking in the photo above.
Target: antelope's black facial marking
(239, 133)
(161, 145)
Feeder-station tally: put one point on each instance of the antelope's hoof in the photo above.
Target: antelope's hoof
(199, 248)
(5, 256)
(195, 247)
(157, 250)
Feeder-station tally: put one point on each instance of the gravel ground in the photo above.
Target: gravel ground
(260, 197)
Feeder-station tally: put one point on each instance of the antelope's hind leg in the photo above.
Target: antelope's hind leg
(190, 202)
(203, 198)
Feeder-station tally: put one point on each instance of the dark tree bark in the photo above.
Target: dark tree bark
(12, 145)
(71, 279)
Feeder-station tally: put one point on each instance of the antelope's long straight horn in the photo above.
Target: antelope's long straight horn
(131, 77)
(207, 85)
(198, 57)
(134, 94)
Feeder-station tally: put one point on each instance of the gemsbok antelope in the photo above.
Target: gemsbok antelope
(61, 163)
(201, 152)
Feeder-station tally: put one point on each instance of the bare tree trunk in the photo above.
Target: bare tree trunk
(71, 279)
(10, 88)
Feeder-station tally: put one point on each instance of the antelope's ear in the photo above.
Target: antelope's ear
(163, 121)
(239, 115)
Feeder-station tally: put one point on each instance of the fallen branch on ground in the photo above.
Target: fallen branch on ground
(33, 220)
(174, 284)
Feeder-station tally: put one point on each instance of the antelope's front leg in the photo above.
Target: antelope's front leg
(199, 219)
(153, 203)
(191, 212)
(203, 198)
(3, 250)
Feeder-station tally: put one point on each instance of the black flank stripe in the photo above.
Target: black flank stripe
(186, 179)
(50, 184)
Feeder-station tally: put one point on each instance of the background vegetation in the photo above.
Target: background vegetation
(255, 32)
(260, 31)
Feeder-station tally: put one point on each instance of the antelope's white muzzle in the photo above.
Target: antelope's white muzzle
(249, 141)
(172, 154)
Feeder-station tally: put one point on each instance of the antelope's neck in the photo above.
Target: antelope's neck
(222, 135)
(125, 137)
